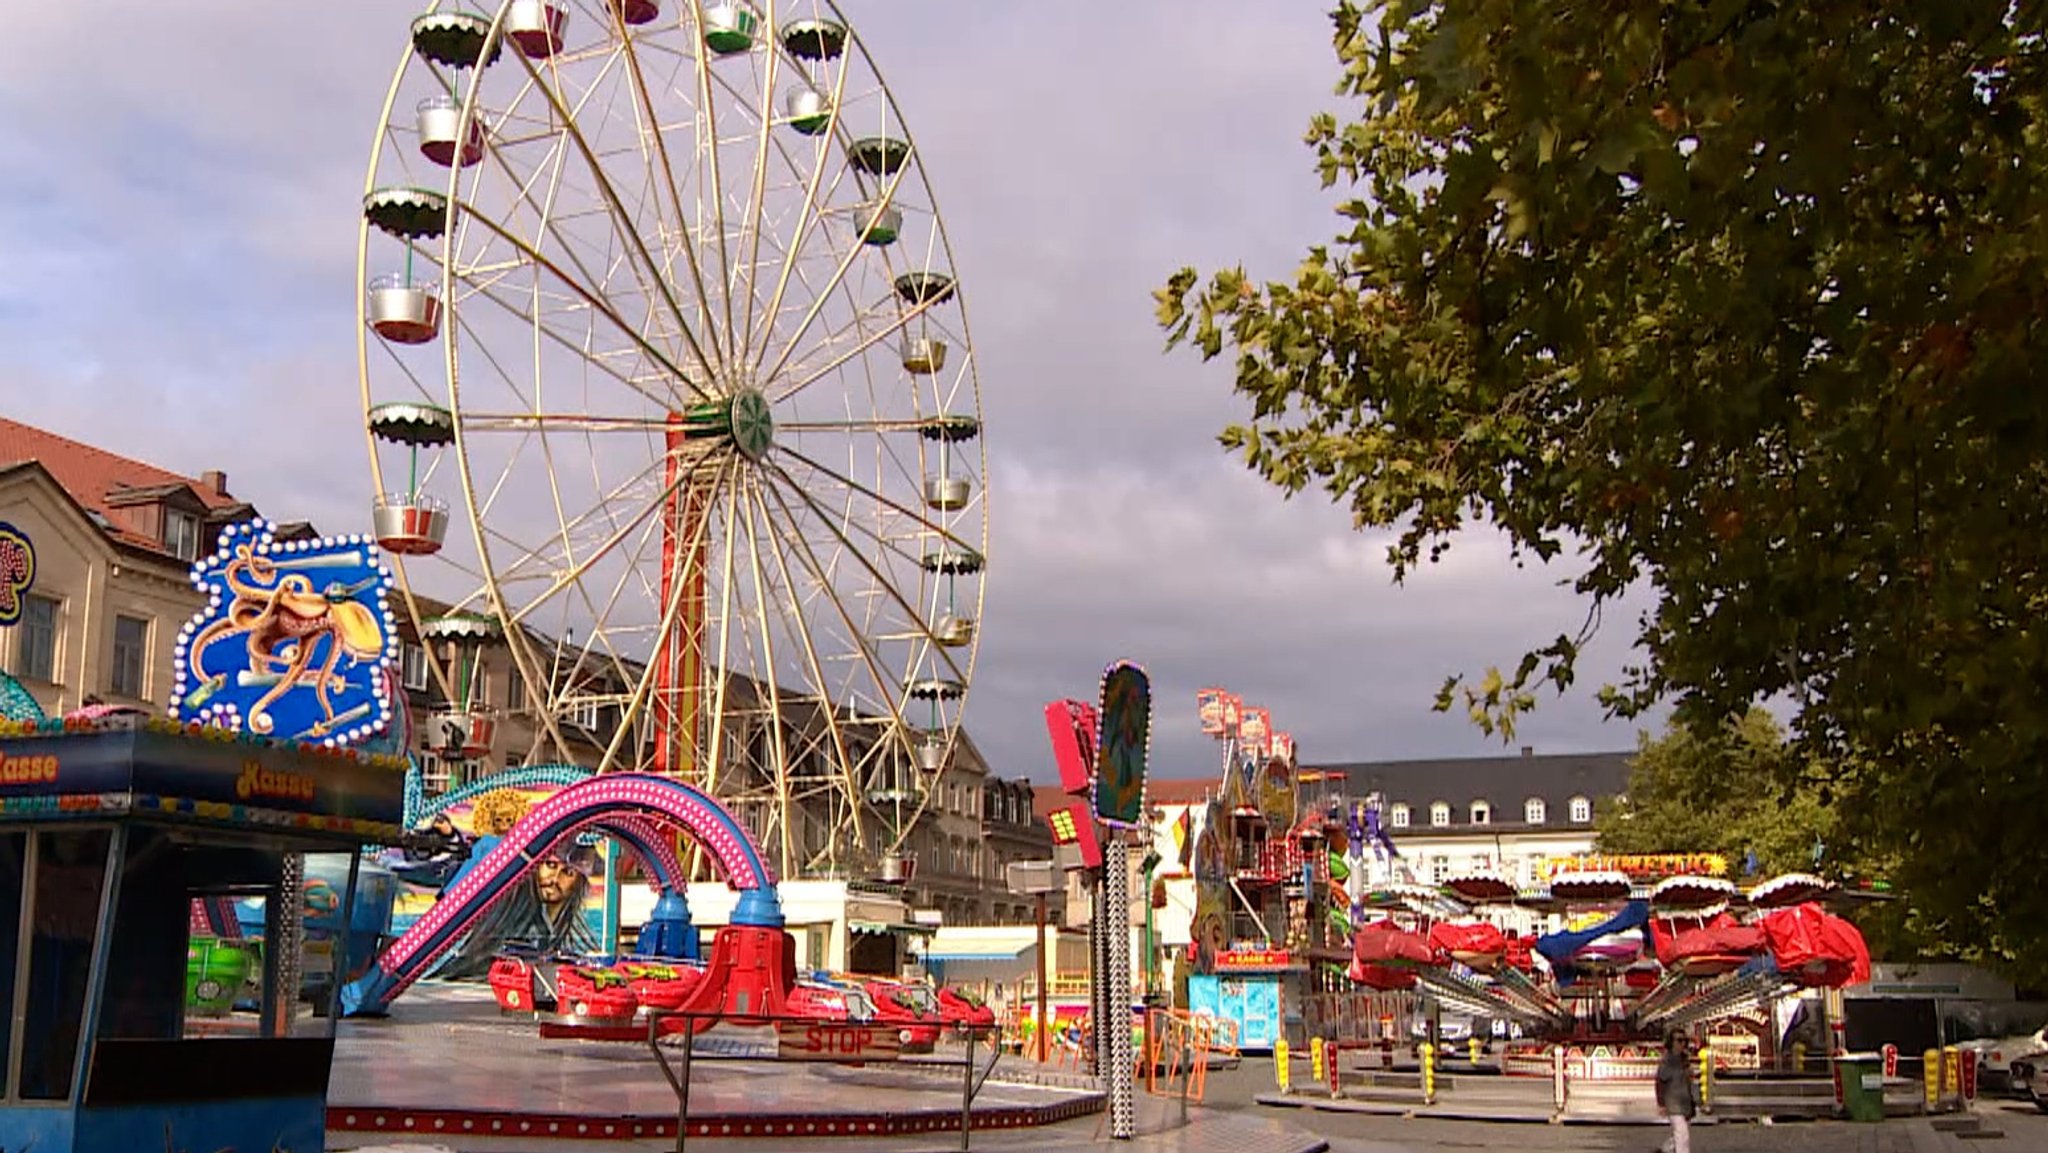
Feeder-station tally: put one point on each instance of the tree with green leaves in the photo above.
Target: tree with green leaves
(1731, 791)
(1739, 302)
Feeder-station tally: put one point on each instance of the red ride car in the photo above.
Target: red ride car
(662, 985)
(900, 1005)
(522, 984)
(589, 992)
(959, 1008)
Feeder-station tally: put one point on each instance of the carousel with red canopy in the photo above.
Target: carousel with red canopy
(1648, 945)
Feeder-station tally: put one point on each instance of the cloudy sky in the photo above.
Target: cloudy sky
(179, 216)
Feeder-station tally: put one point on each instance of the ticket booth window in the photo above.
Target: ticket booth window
(69, 874)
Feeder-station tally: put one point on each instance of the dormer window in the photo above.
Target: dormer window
(1582, 810)
(1400, 816)
(1482, 813)
(181, 534)
(1440, 815)
(1533, 810)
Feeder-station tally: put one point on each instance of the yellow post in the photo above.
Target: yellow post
(1706, 1080)
(1315, 1059)
(1930, 1074)
(1799, 1056)
(1473, 1047)
(1280, 1069)
(1428, 1073)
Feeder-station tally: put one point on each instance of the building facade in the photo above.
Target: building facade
(113, 540)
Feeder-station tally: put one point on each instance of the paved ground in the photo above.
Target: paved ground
(1228, 1121)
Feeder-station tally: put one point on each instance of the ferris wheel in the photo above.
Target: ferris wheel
(657, 298)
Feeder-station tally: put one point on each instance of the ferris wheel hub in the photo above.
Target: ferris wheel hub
(753, 423)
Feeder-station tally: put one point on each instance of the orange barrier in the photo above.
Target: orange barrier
(1181, 1045)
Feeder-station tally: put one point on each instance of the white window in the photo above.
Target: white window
(1482, 813)
(1582, 810)
(434, 777)
(35, 645)
(1439, 815)
(1532, 810)
(181, 534)
(412, 668)
(1439, 869)
(1400, 816)
(131, 656)
(583, 714)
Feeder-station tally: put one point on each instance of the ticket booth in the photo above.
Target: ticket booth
(109, 831)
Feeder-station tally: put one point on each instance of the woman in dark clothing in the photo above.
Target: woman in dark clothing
(1675, 1097)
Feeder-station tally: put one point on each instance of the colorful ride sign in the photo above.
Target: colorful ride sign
(294, 640)
(17, 572)
(1124, 744)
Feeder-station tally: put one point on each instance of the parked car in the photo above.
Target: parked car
(2027, 1073)
(1994, 1059)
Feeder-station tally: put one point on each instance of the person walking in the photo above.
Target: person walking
(1675, 1096)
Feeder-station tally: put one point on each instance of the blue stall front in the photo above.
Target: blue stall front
(110, 831)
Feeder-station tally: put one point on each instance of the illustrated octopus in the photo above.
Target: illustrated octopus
(284, 620)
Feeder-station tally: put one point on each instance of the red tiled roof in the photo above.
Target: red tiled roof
(90, 475)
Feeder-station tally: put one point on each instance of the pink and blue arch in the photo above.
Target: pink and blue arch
(643, 836)
(630, 803)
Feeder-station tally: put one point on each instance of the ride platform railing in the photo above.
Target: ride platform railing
(808, 1039)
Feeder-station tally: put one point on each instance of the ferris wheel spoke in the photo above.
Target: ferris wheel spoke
(756, 204)
(762, 595)
(707, 111)
(596, 303)
(858, 351)
(848, 781)
(879, 424)
(654, 151)
(577, 422)
(622, 221)
(716, 754)
(832, 283)
(551, 169)
(790, 539)
(643, 685)
(828, 517)
(915, 516)
(807, 216)
(611, 541)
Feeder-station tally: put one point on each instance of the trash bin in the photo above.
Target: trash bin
(1862, 1085)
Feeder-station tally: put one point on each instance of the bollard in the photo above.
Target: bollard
(1799, 1056)
(1428, 1073)
(1891, 1059)
(1474, 1046)
(1706, 1080)
(1330, 1062)
(1558, 1093)
(1930, 1074)
(1280, 1069)
(1315, 1059)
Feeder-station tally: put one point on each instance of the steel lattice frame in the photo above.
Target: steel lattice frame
(645, 248)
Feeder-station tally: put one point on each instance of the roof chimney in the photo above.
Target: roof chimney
(1528, 750)
(214, 481)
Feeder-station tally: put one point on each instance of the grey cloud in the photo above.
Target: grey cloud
(186, 223)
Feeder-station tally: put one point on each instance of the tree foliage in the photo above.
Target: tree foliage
(1735, 791)
(1741, 301)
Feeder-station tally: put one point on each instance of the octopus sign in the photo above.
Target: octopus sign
(295, 641)
(17, 572)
